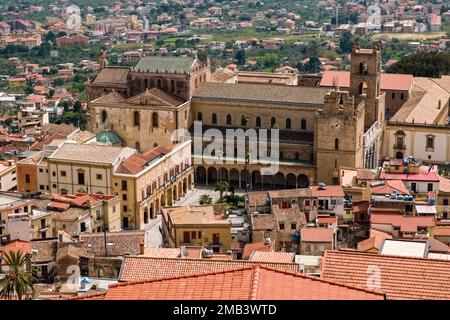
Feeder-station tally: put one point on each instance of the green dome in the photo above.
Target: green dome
(108, 137)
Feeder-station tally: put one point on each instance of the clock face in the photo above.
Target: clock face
(337, 124)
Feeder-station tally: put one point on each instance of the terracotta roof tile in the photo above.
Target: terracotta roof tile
(267, 256)
(400, 277)
(249, 248)
(329, 191)
(149, 268)
(316, 234)
(253, 282)
(442, 231)
(406, 223)
(388, 81)
(16, 245)
(261, 93)
(124, 242)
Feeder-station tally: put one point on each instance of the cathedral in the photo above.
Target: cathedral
(320, 129)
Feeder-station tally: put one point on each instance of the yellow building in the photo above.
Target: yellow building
(196, 225)
(148, 181)
(84, 168)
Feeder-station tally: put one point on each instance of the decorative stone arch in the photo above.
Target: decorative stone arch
(136, 119)
(256, 179)
(223, 174)
(362, 88)
(104, 116)
(246, 178)
(146, 215)
(234, 178)
(302, 181)
(288, 123)
(303, 124)
(155, 120)
(291, 181)
(279, 181)
(212, 175)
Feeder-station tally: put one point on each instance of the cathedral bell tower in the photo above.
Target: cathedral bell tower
(338, 135)
(365, 82)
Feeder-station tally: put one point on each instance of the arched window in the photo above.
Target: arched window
(172, 85)
(402, 96)
(137, 146)
(214, 118)
(336, 144)
(273, 121)
(258, 121)
(155, 120)
(199, 116)
(362, 89)
(297, 156)
(393, 95)
(363, 68)
(136, 118)
(303, 124)
(159, 83)
(229, 122)
(146, 84)
(288, 123)
(104, 116)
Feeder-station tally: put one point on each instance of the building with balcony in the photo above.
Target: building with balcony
(196, 225)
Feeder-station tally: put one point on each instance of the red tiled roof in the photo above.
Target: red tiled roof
(137, 268)
(375, 240)
(389, 186)
(444, 184)
(265, 256)
(442, 231)
(59, 205)
(406, 223)
(253, 282)
(400, 277)
(424, 175)
(17, 245)
(317, 234)
(321, 220)
(330, 191)
(249, 248)
(137, 161)
(388, 81)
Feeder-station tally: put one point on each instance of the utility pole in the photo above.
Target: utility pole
(106, 248)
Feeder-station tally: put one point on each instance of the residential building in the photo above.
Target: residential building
(387, 274)
(196, 225)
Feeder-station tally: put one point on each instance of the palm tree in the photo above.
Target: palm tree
(205, 199)
(18, 280)
(222, 186)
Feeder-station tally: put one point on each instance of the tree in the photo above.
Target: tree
(423, 64)
(202, 56)
(205, 199)
(50, 36)
(77, 106)
(240, 57)
(29, 89)
(346, 43)
(180, 43)
(221, 187)
(18, 280)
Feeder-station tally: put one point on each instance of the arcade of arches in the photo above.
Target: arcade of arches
(238, 178)
(150, 207)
